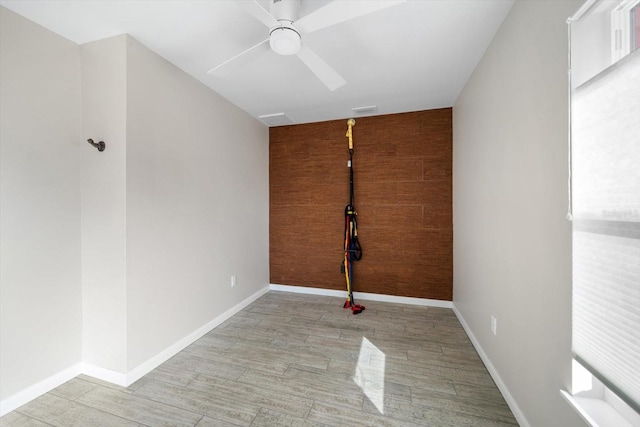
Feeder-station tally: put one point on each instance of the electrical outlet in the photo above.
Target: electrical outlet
(494, 325)
(233, 280)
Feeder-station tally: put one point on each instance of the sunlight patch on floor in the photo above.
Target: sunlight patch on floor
(369, 375)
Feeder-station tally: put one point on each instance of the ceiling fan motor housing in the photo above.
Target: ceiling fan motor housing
(285, 10)
(285, 40)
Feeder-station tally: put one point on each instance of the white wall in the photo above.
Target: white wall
(512, 243)
(197, 204)
(40, 303)
(112, 261)
(104, 118)
(176, 203)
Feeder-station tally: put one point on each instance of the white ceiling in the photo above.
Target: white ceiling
(416, 55)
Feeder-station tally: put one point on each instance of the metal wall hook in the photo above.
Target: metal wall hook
(100, 145)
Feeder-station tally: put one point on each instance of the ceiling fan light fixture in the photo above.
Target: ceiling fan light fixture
(285, 40)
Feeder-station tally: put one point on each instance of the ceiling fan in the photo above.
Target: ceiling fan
(286, 30)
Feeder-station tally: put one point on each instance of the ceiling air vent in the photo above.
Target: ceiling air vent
(277, 119)
(365, 111)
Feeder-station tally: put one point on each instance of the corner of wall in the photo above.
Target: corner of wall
(103, 178)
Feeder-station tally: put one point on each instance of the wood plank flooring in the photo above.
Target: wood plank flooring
(298, 360)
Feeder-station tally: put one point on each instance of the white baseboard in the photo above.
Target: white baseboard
(13, 402)
(20, 398)
(113, 377)
(157, 360)
(363, 296)
(517, 413)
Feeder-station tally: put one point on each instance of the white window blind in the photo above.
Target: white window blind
(605, 153)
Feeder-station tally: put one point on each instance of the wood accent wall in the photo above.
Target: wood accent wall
(402, 165)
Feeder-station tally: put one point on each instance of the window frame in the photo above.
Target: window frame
(623, 29)
(597, 404)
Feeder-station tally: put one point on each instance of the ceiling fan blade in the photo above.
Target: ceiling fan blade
(260, 13)
(339, 11)
(237, 56)
(321, 69)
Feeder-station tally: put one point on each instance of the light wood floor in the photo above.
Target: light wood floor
(298, 360)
